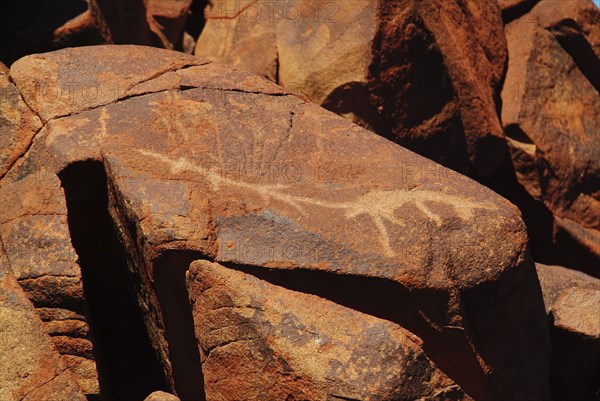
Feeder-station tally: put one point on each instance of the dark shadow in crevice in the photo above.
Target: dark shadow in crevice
(570, 36)
(387, 300)
(170, 286)
(128, 368)
(196, 19)
(518, 10)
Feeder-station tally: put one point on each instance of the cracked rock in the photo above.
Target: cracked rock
(31, 369)
(200, 161)
(426, 74)
(550, 103)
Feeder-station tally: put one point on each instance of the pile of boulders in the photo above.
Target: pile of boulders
(172, 227)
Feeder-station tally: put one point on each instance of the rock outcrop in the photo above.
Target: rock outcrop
(572, 301)
(182, 162)
(31, 369)
(550, 106)
(425, 74)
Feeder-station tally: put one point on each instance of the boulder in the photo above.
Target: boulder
(253, 334)
(35, 233)
(576, 344)
(576, 26)
(550, 119)
(572, 301)
(554, 280)
(35, 26)
(31, 370)
(161, 396)
(184, 164)
(425, 74)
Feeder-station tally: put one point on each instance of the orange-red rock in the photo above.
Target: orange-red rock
(572, 301)
(34, 230)
(161, 396)
(550, 107)
(18, 123)
(426, 74)
(193, 168)
(254, 334)
(31, 369)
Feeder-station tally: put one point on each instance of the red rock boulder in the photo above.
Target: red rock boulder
(550, 107)
(425, 74)
(183, 163)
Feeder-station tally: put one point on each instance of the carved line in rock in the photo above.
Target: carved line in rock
(380, 206)
(169, 273)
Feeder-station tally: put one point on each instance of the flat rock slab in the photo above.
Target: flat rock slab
(204, 162)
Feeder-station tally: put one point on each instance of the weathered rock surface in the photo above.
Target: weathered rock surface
(35, 233)
(35, 26)
(191, 167)
(161, 396)
(426, 74)
(550, 107)
(30, 367)
(572, 301)
(254, 334)
(18, 123)
(576, 338)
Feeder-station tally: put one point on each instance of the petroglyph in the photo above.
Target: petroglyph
(380, 205)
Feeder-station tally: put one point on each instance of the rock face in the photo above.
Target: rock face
(550, 106)
(183, 163)
(34, 26)
(31, 369)
(35, 233)
(254, 334)
(573, 304)
(425, 74)
(18, 123)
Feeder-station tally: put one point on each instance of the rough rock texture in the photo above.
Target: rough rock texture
(576, 340)
(34, 230)
(18, 123)
(254, 334)
(33, 26)
(572, 301)
(31, 369)
(191, 167)
(550, 107)
(161, 396)
(425, 74)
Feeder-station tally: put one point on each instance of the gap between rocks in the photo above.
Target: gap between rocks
(387, 300)
(126, 363)
(123, 344)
